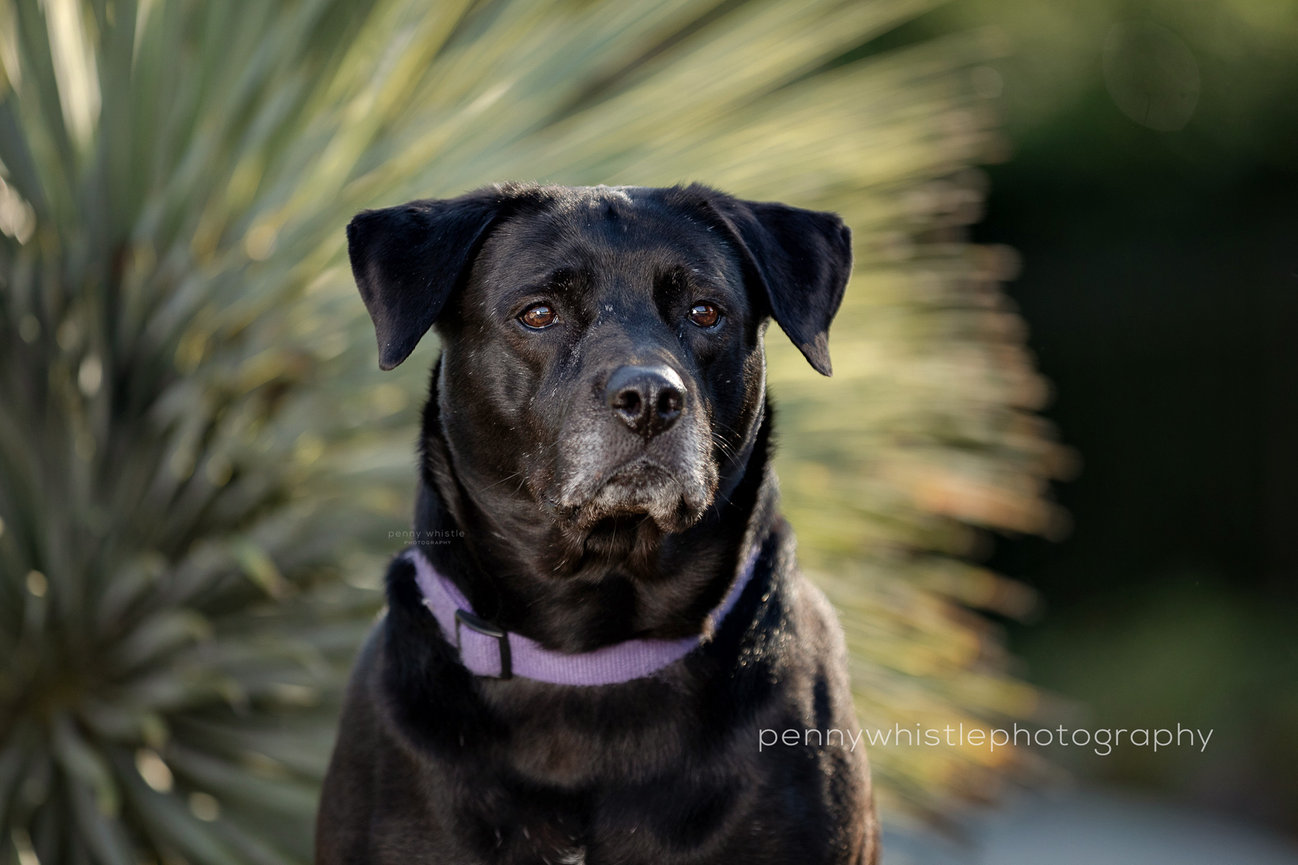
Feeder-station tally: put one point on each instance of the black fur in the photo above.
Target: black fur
(561, 524)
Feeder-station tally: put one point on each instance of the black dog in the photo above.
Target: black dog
(601, 627)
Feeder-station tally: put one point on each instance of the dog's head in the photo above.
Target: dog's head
(601, 346)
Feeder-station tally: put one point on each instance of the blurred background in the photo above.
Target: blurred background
(1047, 484)
(1150, 195)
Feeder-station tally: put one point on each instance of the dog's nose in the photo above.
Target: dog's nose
(648, 399)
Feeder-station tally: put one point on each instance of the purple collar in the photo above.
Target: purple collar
(488, 651)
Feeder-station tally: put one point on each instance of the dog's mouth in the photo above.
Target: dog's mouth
(639, 490)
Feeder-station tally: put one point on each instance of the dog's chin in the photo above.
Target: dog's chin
(638, 492)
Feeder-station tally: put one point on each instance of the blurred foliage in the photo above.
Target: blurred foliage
(201, 469)
(1231, 63)
(1160, 285)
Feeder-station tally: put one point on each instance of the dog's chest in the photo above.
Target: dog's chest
(545, 849)
(536, 843)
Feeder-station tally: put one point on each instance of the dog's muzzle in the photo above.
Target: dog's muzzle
(648, 399)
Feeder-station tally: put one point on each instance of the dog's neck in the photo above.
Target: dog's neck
(522, 569)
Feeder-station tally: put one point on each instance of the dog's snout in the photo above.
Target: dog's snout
(648, 399)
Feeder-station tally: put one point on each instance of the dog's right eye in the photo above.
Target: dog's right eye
(539, 316)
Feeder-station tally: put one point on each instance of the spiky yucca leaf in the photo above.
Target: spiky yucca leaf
(201, 470)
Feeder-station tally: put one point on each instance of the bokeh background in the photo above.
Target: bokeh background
(202, 469)
(1150, 194)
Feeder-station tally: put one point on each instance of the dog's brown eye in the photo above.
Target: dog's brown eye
(539, 316)
(704, 314)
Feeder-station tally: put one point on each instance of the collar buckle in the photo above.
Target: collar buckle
(477, 625)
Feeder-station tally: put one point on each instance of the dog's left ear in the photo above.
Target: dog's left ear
(409, 259)
(802, 258)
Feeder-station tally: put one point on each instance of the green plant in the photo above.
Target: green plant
(201, 469)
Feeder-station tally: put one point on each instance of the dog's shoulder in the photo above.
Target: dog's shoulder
(342, 821)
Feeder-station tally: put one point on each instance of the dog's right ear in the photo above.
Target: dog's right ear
(407, 260)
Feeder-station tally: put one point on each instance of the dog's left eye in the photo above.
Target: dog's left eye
(704, 314)
(539, 316)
